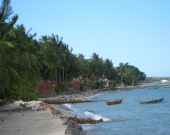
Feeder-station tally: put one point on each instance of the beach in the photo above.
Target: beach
(40, 122)
(35, 122)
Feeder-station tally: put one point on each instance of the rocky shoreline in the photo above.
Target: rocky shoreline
(74, 98)
(81, 97)
(37, 109)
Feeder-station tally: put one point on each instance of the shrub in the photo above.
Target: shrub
(14, 92)
(77, 84)
(45, 87)
(60, 87)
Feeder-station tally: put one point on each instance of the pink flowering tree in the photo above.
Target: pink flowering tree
(46, 87)
(78, 84)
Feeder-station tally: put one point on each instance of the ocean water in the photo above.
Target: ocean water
(130, 117)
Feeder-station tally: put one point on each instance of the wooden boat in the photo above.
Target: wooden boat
(117, 101)
(151, 101)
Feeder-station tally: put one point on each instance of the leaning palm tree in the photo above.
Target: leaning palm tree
(17, 63)
(7, 72)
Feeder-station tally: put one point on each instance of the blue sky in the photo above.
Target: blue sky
(128, 31)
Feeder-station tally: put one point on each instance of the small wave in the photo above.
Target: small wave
(70, 107)
(93, 95)
(96, 116)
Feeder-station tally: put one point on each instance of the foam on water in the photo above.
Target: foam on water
(70, 106)
(94, 95)
(96, 116)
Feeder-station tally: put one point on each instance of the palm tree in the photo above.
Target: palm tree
(121, 71)
(17, 63)
(24, 55)
(49, 50)
(109, 68)
(93, 66)
(6, 32)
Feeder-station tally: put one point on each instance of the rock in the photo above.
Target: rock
(65, 123)
(101, 120)
(69, 131)
(83, 133)
(75, 131)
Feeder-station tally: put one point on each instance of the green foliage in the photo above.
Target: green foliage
(89, 85)
(97, 85)
(14, 93)
(101, 84)
(27, 93)
(70, 84)
(60, 87)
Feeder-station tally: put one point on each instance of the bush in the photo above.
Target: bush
(14, 93)
(77, 84)
(60, 87)
(46, 87)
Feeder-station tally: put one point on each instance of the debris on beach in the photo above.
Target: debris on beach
(6, 102)
(34, 106)
(85, 120)
(30, 106)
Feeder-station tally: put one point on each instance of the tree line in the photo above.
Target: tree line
(155, 79)
(25, 61)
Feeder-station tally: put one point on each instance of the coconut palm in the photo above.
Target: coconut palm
(93, 66)
(121, 71)
(7, 72)
(109, 68)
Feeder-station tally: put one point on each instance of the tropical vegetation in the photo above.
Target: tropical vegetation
(31, 67)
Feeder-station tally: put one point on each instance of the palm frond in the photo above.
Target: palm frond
(5, 10)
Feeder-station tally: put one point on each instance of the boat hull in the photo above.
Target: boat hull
(152, 101)
(115, 102)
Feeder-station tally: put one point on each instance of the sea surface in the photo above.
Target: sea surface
(130, 117)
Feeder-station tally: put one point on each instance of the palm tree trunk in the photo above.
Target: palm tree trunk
(56, 76)
(63, 74)
(59, 75)
(66, 75)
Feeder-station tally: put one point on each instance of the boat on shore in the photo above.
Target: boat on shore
(151, 101)
(117, 101)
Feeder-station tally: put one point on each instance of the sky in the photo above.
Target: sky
(125, 31)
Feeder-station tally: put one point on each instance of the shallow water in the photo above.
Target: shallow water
(130, 117)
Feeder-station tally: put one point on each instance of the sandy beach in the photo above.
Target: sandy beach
(30, 122)
(33, 122)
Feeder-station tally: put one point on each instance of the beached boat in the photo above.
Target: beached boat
(117, 101)
(150, 101)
